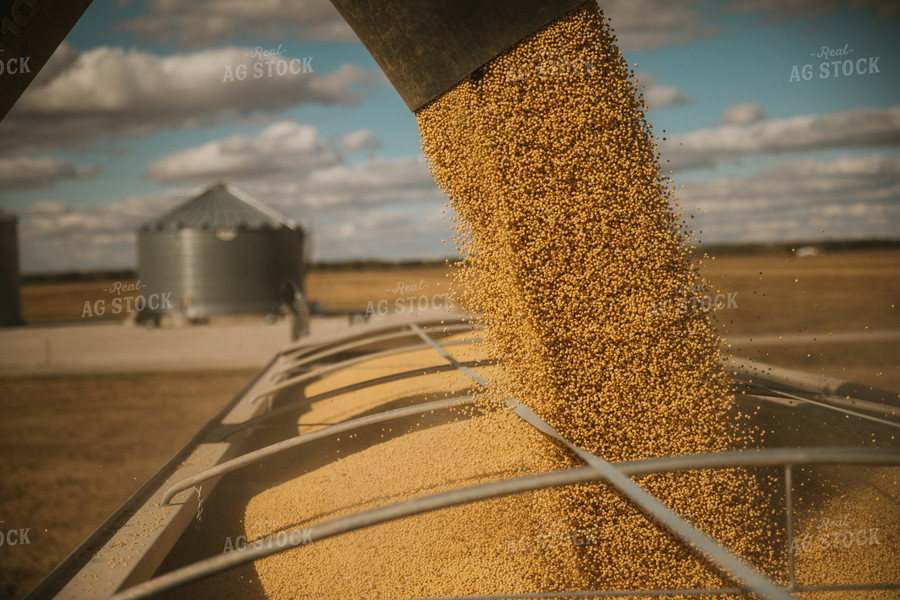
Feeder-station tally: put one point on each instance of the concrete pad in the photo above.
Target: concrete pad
(123, 347)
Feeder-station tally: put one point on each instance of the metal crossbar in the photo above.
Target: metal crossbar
(294, 442)
(619, 475)
(354, 344)
(300, 537)
(306, 377)
(293, 406)
(846, 411)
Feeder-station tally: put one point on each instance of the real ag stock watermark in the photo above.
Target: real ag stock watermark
(844, 66)
(549, 64)
(417, 302)
(297, 537)
(17, 65)
(268, 64)
(120, 304)
(693, 299)
(836, 534)
(13, 536)
(554, 533)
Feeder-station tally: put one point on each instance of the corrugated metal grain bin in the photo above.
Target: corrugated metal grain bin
(219, 253)
(10, 292)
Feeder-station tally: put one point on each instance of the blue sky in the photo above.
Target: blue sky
(133, 115)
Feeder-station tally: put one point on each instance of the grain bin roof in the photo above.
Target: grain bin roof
(221, 206)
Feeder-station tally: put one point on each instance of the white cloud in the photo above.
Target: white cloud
(785, 9)
(27, 172)
(383, 233)
(52, 218)
(743, 114)
(780, 10)
(112, 92)
(386, 208)
(47, 207)
(663, 95)
(657, 96)
(638, 24)
(383, 209)
(654, 24)
(283, 148)
(391, 209)
(341, 189)
(58, 237)
(289, 160)
(195, 23)
(361, 139)
(375, 181)
(845, 198)
(859, 128)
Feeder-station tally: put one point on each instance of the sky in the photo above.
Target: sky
(142, 107)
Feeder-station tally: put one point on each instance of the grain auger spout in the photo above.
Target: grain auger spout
(426, 48)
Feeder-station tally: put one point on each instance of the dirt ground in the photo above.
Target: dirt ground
(837, 314)
(74, 447)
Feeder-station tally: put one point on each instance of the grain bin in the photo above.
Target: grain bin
(10, 294)
(219, 253)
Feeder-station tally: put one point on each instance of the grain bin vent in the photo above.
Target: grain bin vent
(221, 252)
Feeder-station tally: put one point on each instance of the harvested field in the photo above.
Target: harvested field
(74, 448)
(837, 314)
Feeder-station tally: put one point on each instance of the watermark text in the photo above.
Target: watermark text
(120, 304)
(14, 537)
(297, 537)
(844, 66)
(408, 303)
(836, 534)
(14, 66)
(693, 300)
(267, 65)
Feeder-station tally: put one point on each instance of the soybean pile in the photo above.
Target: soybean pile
(571, 237)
